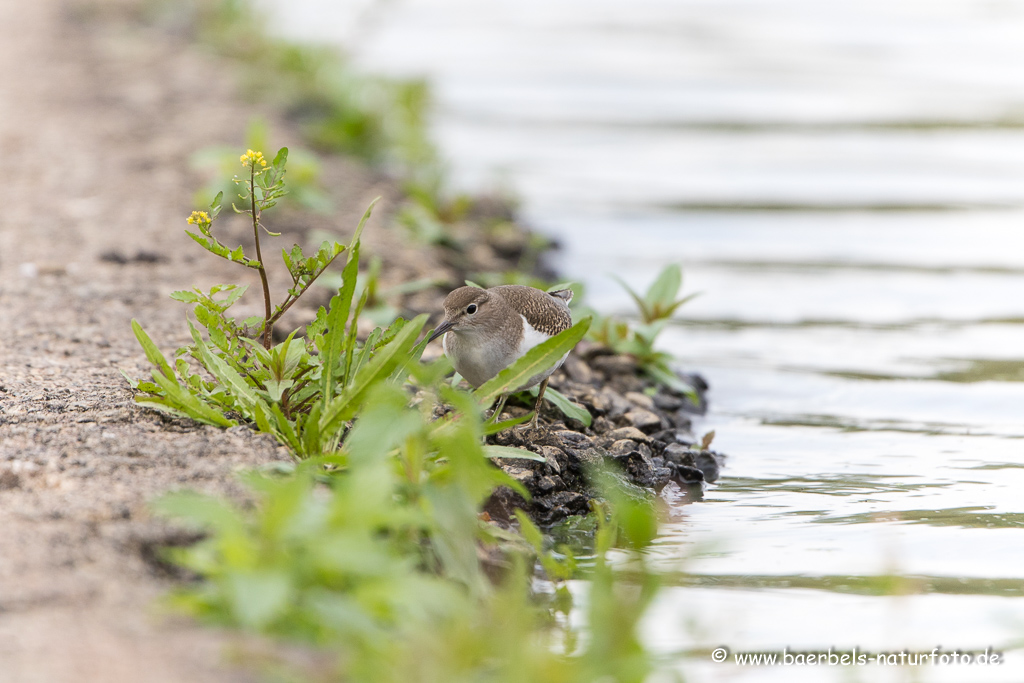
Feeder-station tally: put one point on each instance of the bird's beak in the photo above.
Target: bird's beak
(441, 329)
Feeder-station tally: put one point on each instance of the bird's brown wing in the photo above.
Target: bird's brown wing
(547, 313)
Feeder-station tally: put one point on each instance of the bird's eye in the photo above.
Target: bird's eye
(471, 309)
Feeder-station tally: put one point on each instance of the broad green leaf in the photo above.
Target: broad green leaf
(337, 317)
(662, 292)
(280, 160)
(257, 597)
(216, 205)
(508, 452)
(152, 352)
(185, 296)
(536, 360)
(350, 342)
(568, 408)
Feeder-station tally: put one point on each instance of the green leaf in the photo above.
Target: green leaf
(280, 160)
(152, 352)
(665, 376)
(672, 309)
(350, 342)
(362, 222)
(215, 206)
(132, 382)
(219, 368)
(258, 597)
(182, 400)
(534, 362)
(508, 452)
(470, 283)
(568, 408)
(495, 427)
(185, 296)
(337, 317)
(383, 364)
(662, 292)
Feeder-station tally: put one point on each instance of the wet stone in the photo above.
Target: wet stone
(622, 447)
(670, 436)
(667, 402)
(557, 506)
(638, 399)
(641, 470)
(596, 402)
(631, 433)
(571, 438)
(681, 419)
(602, 425)
(578, 371)
(678, 454)
(708, 463)
(644, 420)
(553, 457)
(617, 405)
(687, 475)
(614, 365)
(549, 483)
(522, 475)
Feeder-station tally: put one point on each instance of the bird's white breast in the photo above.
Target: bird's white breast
(531, 337)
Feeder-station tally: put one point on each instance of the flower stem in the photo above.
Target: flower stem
(268, 324)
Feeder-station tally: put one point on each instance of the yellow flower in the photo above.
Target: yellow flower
(198, 218)
(252, 159)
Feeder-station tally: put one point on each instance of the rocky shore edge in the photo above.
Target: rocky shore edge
(641, 431)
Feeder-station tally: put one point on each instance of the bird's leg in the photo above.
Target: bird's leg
(540, 399)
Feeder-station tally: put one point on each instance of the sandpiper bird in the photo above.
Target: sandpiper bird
(486, 330)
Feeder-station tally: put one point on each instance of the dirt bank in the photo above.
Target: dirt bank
(98, 116)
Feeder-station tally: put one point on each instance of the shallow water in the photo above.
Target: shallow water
(844, 182)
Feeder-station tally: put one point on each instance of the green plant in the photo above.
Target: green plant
(656, 308)
(303, 390)
(379, 564)
(218, 164)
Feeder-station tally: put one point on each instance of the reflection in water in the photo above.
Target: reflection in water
(844, 182)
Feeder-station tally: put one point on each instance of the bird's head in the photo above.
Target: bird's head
(467, 309)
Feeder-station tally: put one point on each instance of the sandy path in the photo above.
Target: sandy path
(97, 119)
